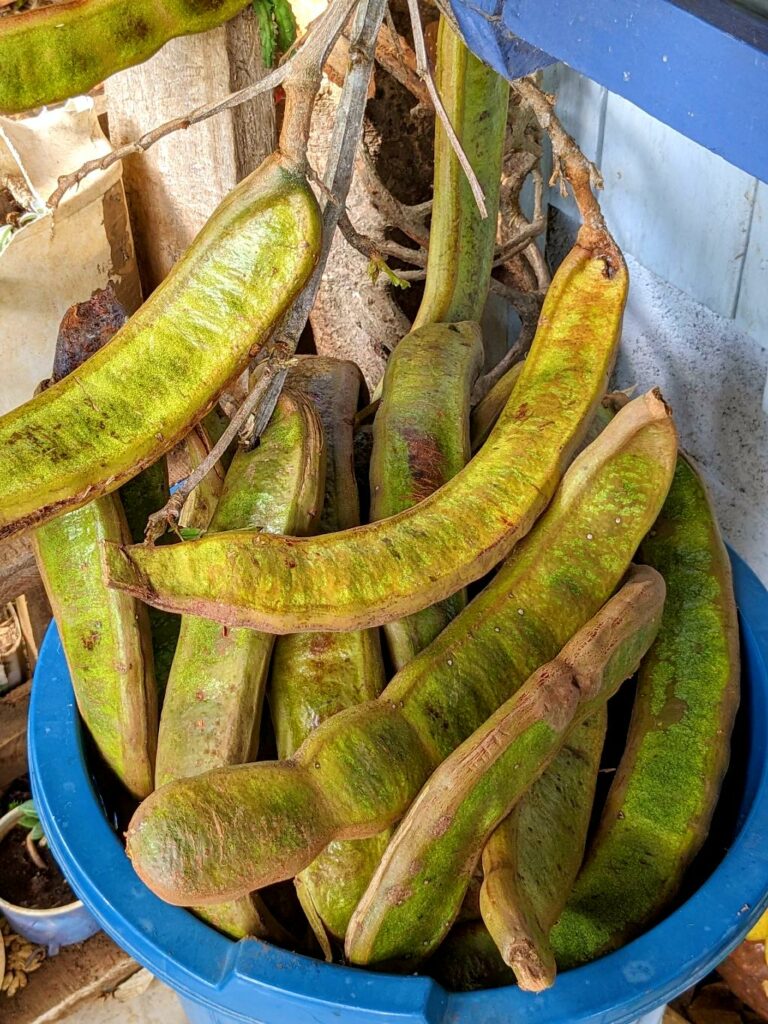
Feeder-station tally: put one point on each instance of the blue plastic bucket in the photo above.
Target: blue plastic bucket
(221, 981)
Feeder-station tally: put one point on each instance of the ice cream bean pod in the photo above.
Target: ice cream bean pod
(468, 960)
(316, 675)
(531, 860)
(89, 433)
(237, 829)
(418, 888)
(661, 802)
(421, 440)
(215, 690)
(51, 53)
(384, 571)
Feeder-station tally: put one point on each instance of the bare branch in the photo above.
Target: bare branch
(308, 56)
(409, 219)
(375, 250)
(396, 57)
(425, 73)
(569, 162)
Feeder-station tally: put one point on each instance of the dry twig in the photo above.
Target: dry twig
(570, 164)
(408, 219)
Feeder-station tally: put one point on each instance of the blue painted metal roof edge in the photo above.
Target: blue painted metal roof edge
(701, 66)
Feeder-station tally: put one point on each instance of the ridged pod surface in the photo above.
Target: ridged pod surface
(359, 771)
(664, 794)
(316, 675)
(213, 703)
(89, 433)
(421, 440)
(531, 861)
(417, 891)
(387, 570)
(51, 53)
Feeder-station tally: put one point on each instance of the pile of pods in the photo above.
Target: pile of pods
(436, 666)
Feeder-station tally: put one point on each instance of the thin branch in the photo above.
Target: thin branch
(396, 57)
(375, 250)
(424, 72)
(409, 219)
(312, 51)
(484, 384)
(569, 162)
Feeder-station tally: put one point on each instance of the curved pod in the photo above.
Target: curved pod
(387, 570)
(92, 431)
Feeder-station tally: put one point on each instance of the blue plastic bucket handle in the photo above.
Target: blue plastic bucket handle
(253, 981)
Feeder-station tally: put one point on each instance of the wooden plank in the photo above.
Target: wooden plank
(76, 976)
(752, 307)
(174, 187)
(18, 571)
(680, 209)
(13, 733)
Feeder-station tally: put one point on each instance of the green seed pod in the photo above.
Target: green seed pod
(105, 636)
(213, 703)
(461, 242)
(660, 805)
(359, 771)
(417, 891)
(387, 570)
(421, 440)
(51, 53)
(89, 433)
(531, 861)
(316, 675)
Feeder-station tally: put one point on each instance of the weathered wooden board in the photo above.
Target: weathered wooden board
(174, 187)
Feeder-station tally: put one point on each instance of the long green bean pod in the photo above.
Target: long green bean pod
(421, 440)
(461, 242)
(531, 861)
(51, 53)
(237, 829)
(316, 675)
(213, 702)
(417, 891)
(390, 569)
(89, 433)
(661, 802)
(105, 635)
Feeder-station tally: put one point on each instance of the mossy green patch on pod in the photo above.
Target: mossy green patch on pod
(50, 53)
(161, 373)
(660, 805)
(417, 891)
(387, 570)
(237, 829)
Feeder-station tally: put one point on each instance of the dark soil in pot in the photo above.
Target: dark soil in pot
(23, 883)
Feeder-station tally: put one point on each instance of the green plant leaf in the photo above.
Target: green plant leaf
(190, 532)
